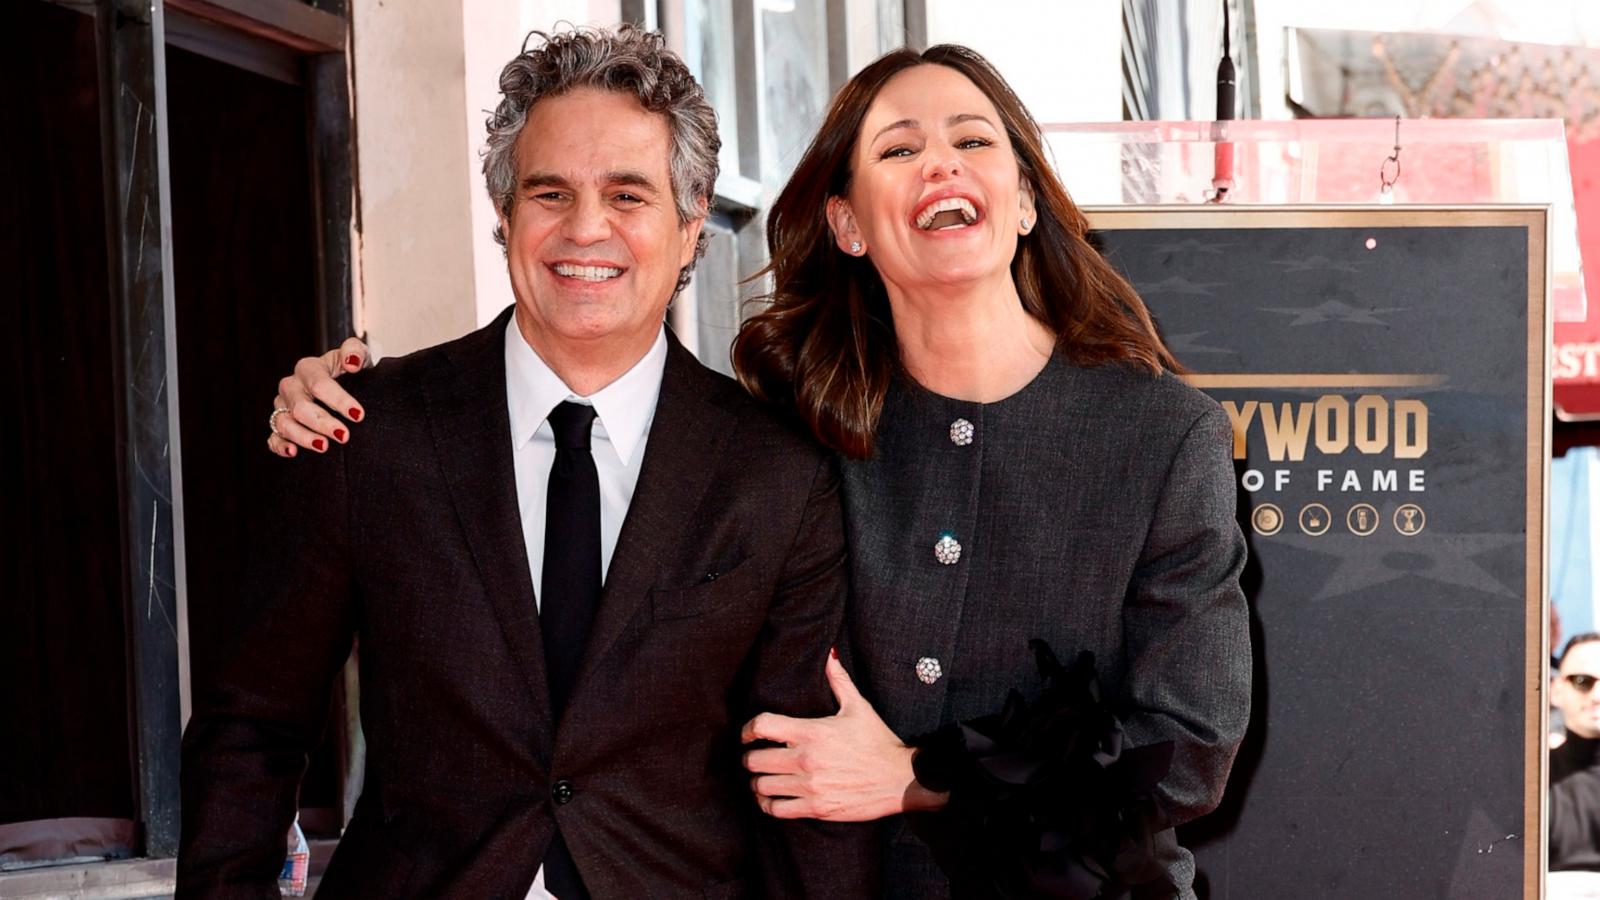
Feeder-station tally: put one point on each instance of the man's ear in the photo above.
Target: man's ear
(846, 233)
(505, 226)
(691, 232)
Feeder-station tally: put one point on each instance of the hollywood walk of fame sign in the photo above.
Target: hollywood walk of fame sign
(1384, 369)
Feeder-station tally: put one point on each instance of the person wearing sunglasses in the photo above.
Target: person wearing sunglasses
(1575, 771)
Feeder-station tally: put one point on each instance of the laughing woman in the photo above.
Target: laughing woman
(1023, 473)
(1021, 463)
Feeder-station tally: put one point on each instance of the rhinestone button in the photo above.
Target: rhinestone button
(928, 670)
(947, 550)
(961, 432)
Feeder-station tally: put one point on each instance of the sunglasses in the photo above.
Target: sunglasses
(1584, 683)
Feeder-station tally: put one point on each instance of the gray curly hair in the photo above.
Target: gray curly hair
(629, 60)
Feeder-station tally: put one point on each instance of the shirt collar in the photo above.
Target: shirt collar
(625, 407)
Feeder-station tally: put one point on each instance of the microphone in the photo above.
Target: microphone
(1227, 109)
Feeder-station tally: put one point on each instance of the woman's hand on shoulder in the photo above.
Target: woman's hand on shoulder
(298, 419)
(847, 767)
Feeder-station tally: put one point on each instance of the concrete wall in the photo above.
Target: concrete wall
(414, 272)
(492, 35)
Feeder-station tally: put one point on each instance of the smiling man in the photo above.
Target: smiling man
(575, 559)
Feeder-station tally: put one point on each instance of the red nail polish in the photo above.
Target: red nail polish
(338, 434)
(352, 360)
(355, 414)
(319, 443)
(833, 652)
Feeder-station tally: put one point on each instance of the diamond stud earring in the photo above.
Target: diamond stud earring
(855, 247)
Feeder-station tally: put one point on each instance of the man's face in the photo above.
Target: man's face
(593, 242)
(1579, 702)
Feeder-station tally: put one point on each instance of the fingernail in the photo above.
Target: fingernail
(355, 414)
(291, 450)
(338, 435)
(353, 360)
(320, 444)
(833, 652)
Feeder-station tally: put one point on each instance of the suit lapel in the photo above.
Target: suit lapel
(686, 439)
(466, 404)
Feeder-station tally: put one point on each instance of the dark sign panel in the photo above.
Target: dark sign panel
(1385, 373)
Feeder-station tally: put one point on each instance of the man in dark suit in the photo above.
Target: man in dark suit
(582, 738)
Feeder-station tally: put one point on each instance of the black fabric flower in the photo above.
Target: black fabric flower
(1046, 800)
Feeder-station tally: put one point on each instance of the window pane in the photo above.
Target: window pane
(794, 68)
(708, 49)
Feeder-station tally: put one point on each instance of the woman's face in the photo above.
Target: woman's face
(935, 196)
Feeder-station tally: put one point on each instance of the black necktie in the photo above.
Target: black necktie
(571, 550)
(571, 590)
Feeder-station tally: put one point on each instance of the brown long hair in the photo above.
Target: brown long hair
(824, 346)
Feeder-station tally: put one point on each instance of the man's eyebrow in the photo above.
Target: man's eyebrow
(632, 179)
(542, 179)
(951, 122)
(628, 177)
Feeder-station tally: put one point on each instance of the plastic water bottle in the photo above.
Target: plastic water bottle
(292, 880)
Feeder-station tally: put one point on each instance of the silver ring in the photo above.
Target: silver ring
(272, 420)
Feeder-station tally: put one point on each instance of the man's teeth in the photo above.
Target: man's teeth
(963, 207)
(587, 273)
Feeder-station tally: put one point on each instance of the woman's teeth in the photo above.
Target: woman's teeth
(587, 273)
(951, 212)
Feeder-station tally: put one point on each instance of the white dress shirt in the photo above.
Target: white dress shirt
(624, 410)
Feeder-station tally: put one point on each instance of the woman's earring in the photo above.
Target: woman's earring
(1027, 224)
(855, 247)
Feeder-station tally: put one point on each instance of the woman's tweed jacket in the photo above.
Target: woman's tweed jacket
(1095, 508)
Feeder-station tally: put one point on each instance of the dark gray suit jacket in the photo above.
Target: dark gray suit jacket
(723, 597)
(1095, 509)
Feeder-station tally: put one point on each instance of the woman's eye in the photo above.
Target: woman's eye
(894, 152)
(972, 143)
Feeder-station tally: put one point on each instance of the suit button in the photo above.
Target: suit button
(562, 791)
